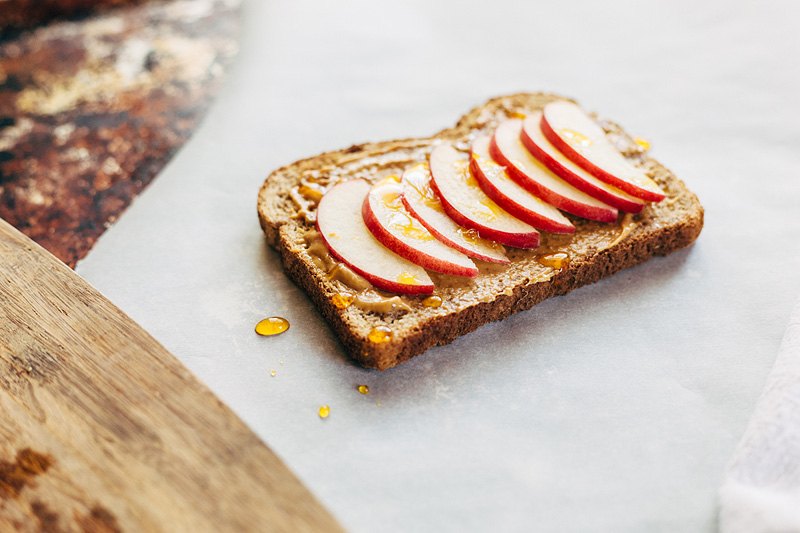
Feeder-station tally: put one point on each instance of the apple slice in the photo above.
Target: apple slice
(508, 150)
(391, 223)
(465, 202)
(498, 185)
(543, 150)
(422, 202)
(342, 228)
(582, 140)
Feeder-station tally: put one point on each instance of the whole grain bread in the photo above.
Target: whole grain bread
(562, 263)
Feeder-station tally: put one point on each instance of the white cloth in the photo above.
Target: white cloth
(761, 491)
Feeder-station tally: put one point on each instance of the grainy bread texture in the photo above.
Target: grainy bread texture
(287, 200)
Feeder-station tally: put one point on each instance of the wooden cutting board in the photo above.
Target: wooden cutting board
(104, 430)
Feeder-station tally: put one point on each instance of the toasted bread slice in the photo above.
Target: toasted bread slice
(405, 326)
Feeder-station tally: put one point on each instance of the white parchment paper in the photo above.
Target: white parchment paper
(614, 408)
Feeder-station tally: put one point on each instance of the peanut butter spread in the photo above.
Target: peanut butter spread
(527, 266)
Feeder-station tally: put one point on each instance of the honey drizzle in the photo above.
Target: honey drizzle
(307, 195)
(416, 177)
(487, 209)
(557, 260)
(399, 218)
(575, 139)
(408, 279)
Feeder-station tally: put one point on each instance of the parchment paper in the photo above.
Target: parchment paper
(614, 408)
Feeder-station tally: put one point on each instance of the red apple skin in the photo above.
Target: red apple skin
(498, 258)
(407, 252)
(620, 202)
(520, 240)
(377, 281)
(374, 279)
(517, 240)
(444, 239)
(580, 160)
(514, 208)
(582, 210)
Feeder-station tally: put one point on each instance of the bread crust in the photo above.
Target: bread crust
(658, 230)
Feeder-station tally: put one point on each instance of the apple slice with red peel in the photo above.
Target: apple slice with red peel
(498, 185)
(422, 202)
(582, 140)
(543, 150)
(507, 149)
(391, 223)
(342, 228)
(465, 202)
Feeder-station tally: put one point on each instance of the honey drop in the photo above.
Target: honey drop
(576, 139)
(408, 279)
(643, 144)
(363, 389)
(272, 373)
(311, 192)
(557, 260)
(380, 334)
(342, 300)
(432, 301)
(272, 326)
(324, 411)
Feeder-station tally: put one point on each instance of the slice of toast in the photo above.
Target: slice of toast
(381, 330)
